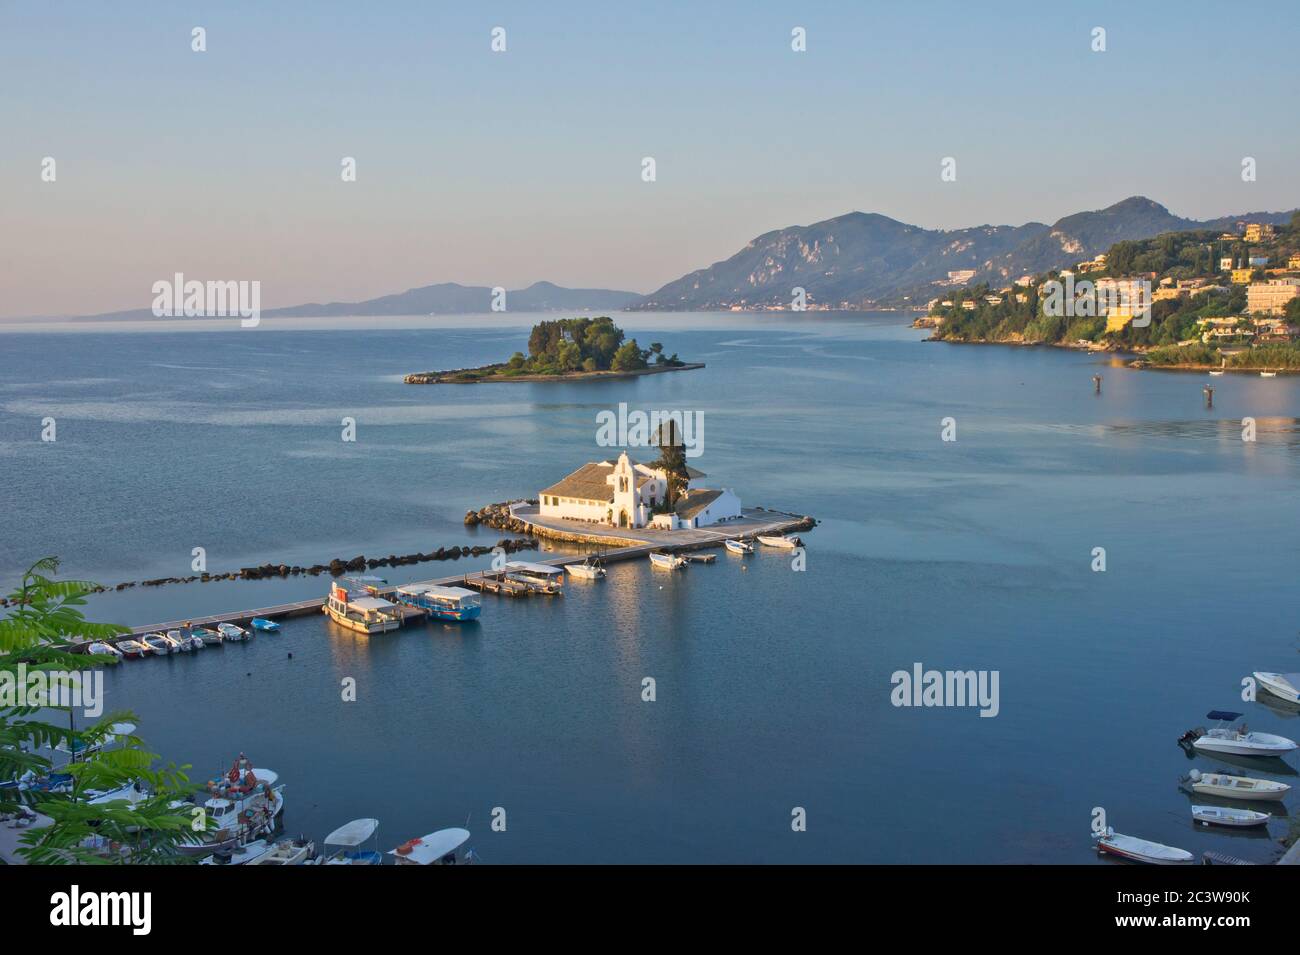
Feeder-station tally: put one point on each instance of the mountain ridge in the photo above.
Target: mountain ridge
(861, 259)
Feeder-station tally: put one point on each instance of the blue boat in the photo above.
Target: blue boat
(442, 603)
(261, 623)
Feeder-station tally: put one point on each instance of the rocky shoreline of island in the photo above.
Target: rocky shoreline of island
(500, 372)
(567, 349)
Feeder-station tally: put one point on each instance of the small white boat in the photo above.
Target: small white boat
(1228, 786)
(444, 847)
(159, 644)
(240, 855)
(1217, 374)
(1238, 740)
(287, 852)
(179, 640)
(1140, 850)
(739, 546)
(1268, 374)
(1285, 685)
(209, 636)
(668, 561)
(104, 649)
(194, 640)
(1237, 818)
(771, 540)
(589, 569)
(133, 648)
(348, 843)
(232, 632)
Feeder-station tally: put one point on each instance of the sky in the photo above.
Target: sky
(507, 168)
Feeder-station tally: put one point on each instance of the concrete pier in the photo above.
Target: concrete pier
(621, 544)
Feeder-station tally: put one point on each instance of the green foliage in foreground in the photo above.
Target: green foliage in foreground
(38, 631)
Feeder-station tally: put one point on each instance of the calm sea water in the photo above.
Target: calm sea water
(773, 686)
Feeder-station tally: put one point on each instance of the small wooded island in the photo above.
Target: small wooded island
(567, 349)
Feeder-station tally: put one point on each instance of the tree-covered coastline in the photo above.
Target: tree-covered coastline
(1173, 337)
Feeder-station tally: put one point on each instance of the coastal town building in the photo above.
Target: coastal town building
(624, 493)
(1259, 232)
(1271, 297)
(1293, 262)
(1242, 276)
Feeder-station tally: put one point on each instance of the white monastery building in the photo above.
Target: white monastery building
(623, 493)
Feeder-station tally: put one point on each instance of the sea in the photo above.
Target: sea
(1116, 564)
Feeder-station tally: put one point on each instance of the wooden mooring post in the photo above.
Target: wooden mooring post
(1096, 384)
(1209, 396)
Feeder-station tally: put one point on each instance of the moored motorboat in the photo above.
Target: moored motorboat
(1217, 374)
(362, 610)
(775, 540)
(238, 854)
(1236, 818)
(444, 847)
(441, 603)
(589, 569)
(178, 640)
(159, 644)
(739, 546)
(266, 626)
(1228, 786)
(209, 636)
(231, 632)
(133, 648)
(1268, 374)
(1237, 740)
(1285, 685)
(287, 852)
(667, 561)
(1140, 850)
(104, 649)
(348, 843)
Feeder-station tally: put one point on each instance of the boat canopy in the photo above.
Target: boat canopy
(353, 833)
(524, 567)
(436, 591)
(1222, 715)
(371, 603)
(429, 849)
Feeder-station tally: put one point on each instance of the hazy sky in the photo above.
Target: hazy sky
(505, 168)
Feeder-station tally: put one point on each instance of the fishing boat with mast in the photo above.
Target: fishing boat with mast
(243, 805)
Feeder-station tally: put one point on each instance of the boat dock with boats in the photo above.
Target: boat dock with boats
(517, 579)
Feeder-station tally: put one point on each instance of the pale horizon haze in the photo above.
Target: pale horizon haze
(508, 168)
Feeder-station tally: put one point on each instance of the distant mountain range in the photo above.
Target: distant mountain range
(862, 259)
(858, 260)
(447, 298)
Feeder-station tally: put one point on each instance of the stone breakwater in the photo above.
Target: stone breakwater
(335, 567)
(498, 517)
